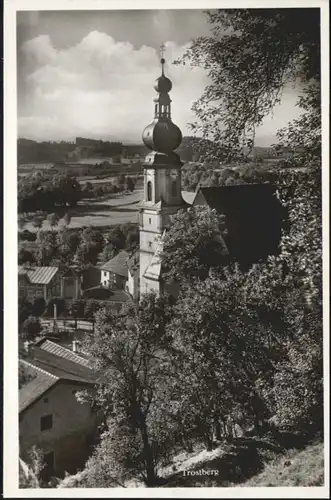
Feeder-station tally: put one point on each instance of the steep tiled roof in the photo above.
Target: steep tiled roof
(39, 275)
(59, 350)
(41, 382)
(153, 270)
(50, 363)
(118, 264)
(242, 196)
(60, 366)
(253, 217)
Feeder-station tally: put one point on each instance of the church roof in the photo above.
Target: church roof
(253, 218)
(234, 196)
(153, 271)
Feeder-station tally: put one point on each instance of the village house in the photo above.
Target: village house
(114, 273)
(48, 282)
(50, 416)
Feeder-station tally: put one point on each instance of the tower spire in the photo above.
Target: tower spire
(162, 51)
(162, 135)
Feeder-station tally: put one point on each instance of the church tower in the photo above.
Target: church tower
(162, 185)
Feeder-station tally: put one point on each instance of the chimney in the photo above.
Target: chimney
(55, 312)
(74, 346)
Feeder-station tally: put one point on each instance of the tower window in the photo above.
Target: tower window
(149, 191)
(174, 189)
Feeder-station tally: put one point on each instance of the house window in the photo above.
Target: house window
(150, 221)
(150, 244)
(45, 400)
(46, 422)
(149, 191)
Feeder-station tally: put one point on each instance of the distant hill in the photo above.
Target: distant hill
(29, 151)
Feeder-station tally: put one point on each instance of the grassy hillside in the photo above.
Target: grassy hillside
(296, 468)
(242, 463)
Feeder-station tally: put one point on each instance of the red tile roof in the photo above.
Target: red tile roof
(39, 275)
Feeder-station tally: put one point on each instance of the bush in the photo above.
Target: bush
(31, 328)
(38, 306)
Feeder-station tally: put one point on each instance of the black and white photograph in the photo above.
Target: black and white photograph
(166, 177)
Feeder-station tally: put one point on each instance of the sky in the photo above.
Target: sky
(91, 74)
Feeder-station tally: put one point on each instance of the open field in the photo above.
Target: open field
(118, 209)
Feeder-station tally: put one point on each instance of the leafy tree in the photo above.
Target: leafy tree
(31, 328)
(222, 350)
(91, 308)
(129, 183)
(87, 253)
(92, 242)
(130, 350)
(67, 244)
(193, 244)
(116, 237)
(25, 256)
(93, 236)
(132, 239)
(24, 310)
(38, 307)
(24, 376)
(46, 247)
(77, 309)
(66, 190)
(36, 467)
(60, 307)
(46, 192)
(250, 57)
(108, 252)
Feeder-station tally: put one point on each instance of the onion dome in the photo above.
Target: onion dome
(163, 84)
(162, 135)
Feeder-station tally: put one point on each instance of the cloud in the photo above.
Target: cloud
(99, 87)
(102, 88)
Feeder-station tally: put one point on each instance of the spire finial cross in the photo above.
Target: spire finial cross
(162, 49)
